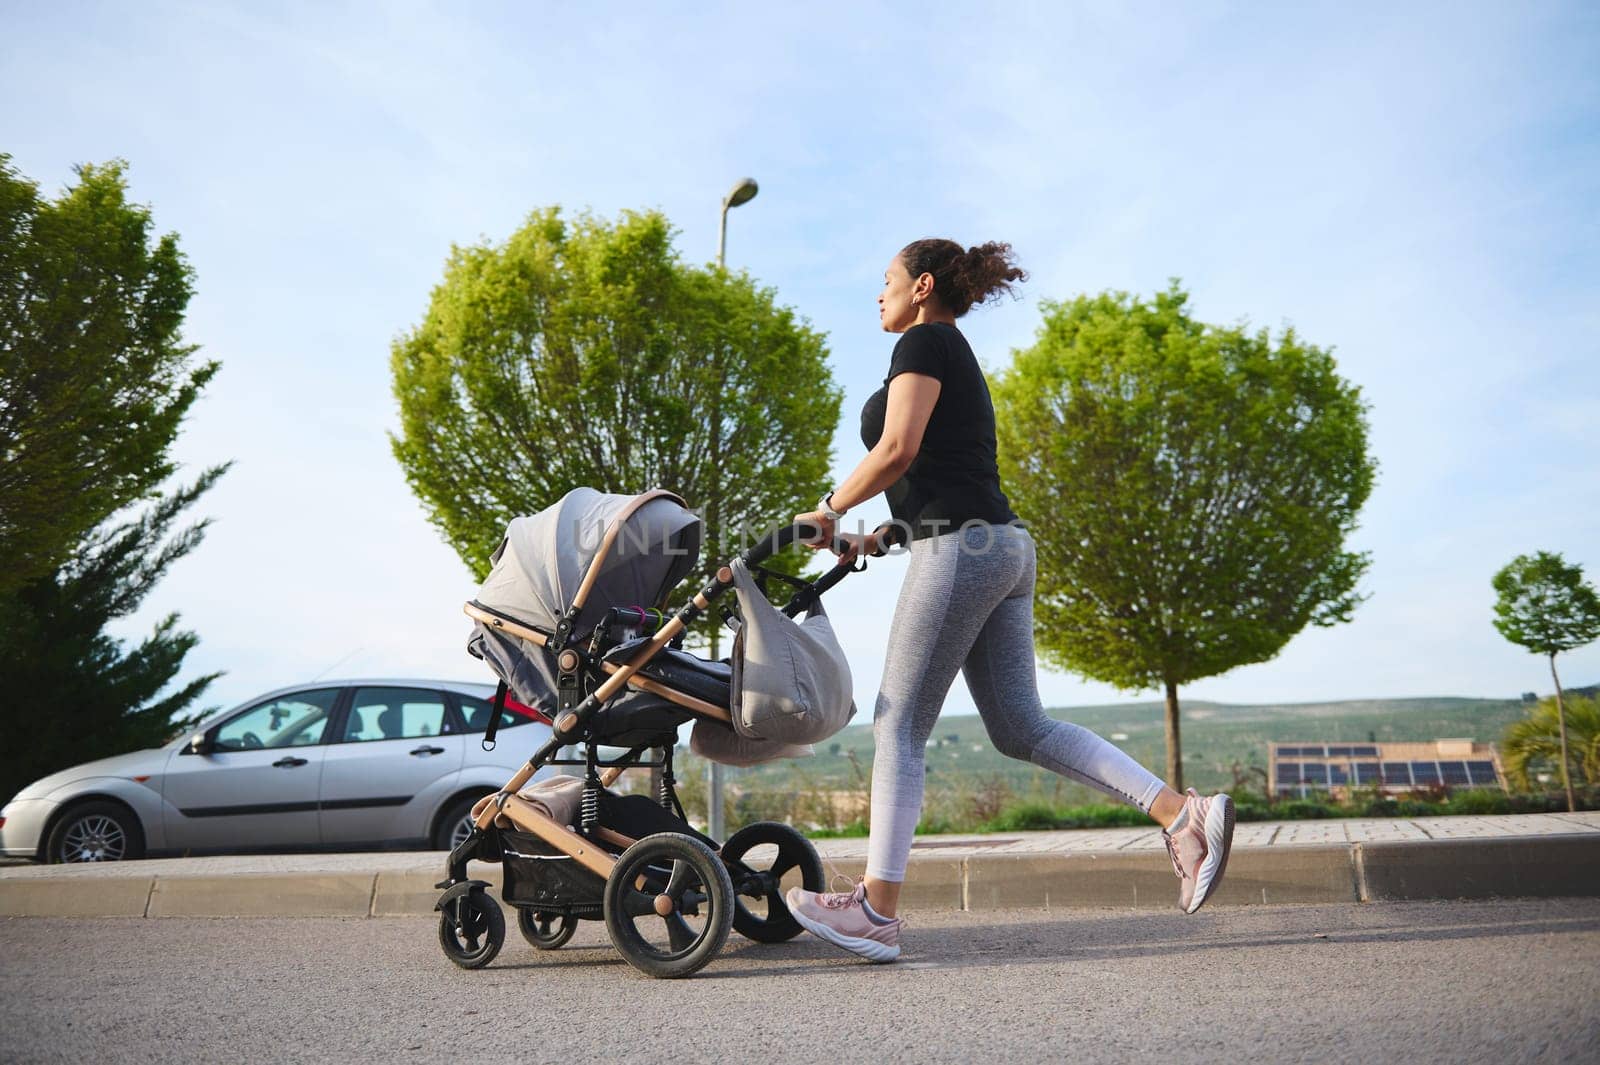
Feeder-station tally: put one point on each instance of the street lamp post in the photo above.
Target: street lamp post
(741, 193)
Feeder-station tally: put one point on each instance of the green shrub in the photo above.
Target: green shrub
(852, 830)
(1303, 810)
(767, 804)
(1382, 806)
(1024, 817)
(1254, 811)
(960, 805)
(1034, 816)
(1479, 801)
(1554, 801)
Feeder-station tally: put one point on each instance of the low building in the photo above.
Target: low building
(1299, 770)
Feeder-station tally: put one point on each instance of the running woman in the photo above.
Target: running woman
(967, 600)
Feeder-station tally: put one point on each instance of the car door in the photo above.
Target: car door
(393, 745)
(257, 785)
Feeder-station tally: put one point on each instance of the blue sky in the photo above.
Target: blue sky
(1417, 187)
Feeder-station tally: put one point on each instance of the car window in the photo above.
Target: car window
(395, 714)
(476, 712)
(296, 720)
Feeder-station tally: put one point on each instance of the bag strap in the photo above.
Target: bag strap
(496, 709)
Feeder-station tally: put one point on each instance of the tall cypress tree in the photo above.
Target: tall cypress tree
(75, 692)
(95, 379)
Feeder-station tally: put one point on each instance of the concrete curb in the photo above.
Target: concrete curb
(1510, 866)
(1514, 866)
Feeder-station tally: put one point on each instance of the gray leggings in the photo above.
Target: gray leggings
(967, 603)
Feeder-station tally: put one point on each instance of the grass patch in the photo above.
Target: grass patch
(1043, 816)
(1032, 815)
(989, 802)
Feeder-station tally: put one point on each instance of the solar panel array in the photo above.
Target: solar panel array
(1335, 751)
(1341, 766)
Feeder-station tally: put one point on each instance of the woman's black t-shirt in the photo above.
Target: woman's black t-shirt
(954, 479)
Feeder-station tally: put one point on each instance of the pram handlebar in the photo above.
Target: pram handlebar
(780, 538)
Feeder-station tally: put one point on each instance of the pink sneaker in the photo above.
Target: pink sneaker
(1199, 841)
(842, 918)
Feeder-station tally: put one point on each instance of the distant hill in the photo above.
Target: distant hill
(1215, 735)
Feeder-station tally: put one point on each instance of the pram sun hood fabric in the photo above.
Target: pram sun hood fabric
(539, 568)
(590, 552)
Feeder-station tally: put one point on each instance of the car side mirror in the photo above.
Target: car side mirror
(199, 744)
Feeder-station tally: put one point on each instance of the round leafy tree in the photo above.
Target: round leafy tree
(1190, 489)
(1546, 606)
(584, 352)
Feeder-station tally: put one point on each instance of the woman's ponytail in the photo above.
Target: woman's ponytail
(962, 278)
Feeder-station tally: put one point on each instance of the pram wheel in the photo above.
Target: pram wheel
(471, 929)
(668, 905)
(759, 857)
(547, 931)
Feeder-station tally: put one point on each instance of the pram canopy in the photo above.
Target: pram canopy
(565, 570)
(571, 562)
(545, 565)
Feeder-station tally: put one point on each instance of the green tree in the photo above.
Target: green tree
(1537, 741)
(1546, 606)
(1189, 487)
(94, 375)
(77, 693)
(584, 352)
(94, 382)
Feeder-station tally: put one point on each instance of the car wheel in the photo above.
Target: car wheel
(95, 832)
(455, 824)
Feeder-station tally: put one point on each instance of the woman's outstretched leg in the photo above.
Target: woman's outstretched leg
(1003, 679)
(1001, 675)
(948, 591)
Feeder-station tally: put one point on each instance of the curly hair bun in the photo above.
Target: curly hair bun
(962, 278)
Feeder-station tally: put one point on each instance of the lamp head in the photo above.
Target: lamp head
(743, 192)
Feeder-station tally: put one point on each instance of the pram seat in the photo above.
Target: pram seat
(636, 722)
(680, 670)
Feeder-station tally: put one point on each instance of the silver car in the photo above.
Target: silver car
(331, 765)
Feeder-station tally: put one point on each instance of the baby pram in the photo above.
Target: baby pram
(571, 620)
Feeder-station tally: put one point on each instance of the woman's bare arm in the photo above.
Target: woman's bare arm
(911, 400)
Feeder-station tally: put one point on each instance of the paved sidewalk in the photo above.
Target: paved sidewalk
(1273, 862)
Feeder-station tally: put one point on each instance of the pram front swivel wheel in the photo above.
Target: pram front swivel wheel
(759, 858)
(546, 931)
(471, 929)
(668, 905)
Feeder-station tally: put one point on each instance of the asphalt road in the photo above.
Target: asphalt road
(1415, 982)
